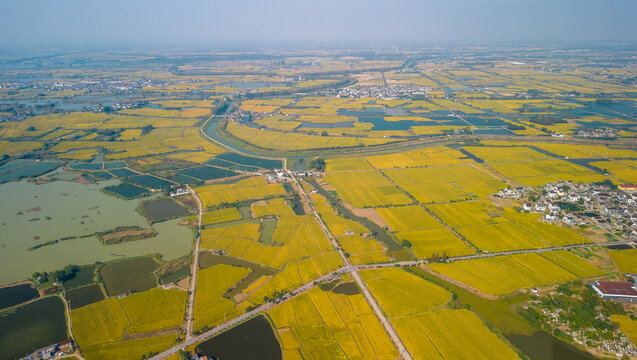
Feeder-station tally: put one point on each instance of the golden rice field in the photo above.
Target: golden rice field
(467, 213)
(155, 309)
(499, 154)
(210, 306)
(450, 334)
(290, 141)
(129, 349)
(535, 173)
(366, 189)
(408, 218)
(618, 170)
(626, 260)
(107, 320)
(417, 158)
(363, 250)
(348, 164)
(17, 147)
(504, 274)
(275, 207)
(296, 273)
(628, 326)
(338, 225)
(295, 238)
(325, 325)
(400, 292)
(425, 243)
(98, 323)
(252, 188)
(220, 216)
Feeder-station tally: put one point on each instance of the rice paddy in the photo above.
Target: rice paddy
(504, 274)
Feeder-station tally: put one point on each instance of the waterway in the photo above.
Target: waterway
(32, 214)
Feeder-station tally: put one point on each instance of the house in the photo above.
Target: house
(540, 207)
(550, 217)
(526, 207)
(621, 291)
(628, 187)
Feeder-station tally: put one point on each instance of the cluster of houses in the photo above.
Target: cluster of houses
(393, 91)
(598, 205)
(52, 351)
(597, 133)
(178, 191)
(279, 175)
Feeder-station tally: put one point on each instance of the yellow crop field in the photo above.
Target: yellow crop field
(221, 238)
(155, 309)
(347, 164)
(366, 189)
(466, 213)
(450, 334)
(424, 185)
(152, 112)
(363, 250)
(84, 154)
(626, 260)
(278, 122)
(220, 216)
(573, 263)
(210, 307)
(255, 188)
(609, 152)
(618, 170)
(503, 274)
(514, 153)
(17, 147)
(469, 179)
(290, 141)
(628, 326)
(552, 170)
(321, 324)
(100, 322)
(424, 157)
(408, 218)
(130, 134)
(130, 349)
(501, 237)
(276, 207)
(425, 243)
(338, 225)
(401, 293)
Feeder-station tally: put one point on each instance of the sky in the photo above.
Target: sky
(96, 23)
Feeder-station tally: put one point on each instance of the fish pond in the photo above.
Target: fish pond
(32, 326)
(254, 339)
(84, 296)
(129, 275)
(163, 209)
(36, 214)
(126, 191)
(17, 294)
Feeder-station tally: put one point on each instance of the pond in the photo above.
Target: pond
(19, 169)
(32, 326)
(205, 172)
(126, 190)
(84, 296)
(164, 209)
(134, 274)
(33, 214)
(254, 339)
(542, 346)
(14, 295)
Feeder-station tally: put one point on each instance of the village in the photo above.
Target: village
(599, 205)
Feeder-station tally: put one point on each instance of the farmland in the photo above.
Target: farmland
(323, 324)
(395, 161)
(503, 274)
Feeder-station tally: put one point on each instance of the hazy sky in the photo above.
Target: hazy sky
(193, 22)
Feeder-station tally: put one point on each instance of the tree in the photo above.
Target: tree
(405, 243)
(324, 133)
(147, 129)
(318, 164)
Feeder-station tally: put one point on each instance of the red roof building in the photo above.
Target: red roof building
(622, 291)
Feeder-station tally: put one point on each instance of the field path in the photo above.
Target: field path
(195, 267)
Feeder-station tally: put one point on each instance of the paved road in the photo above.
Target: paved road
(195, 267)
